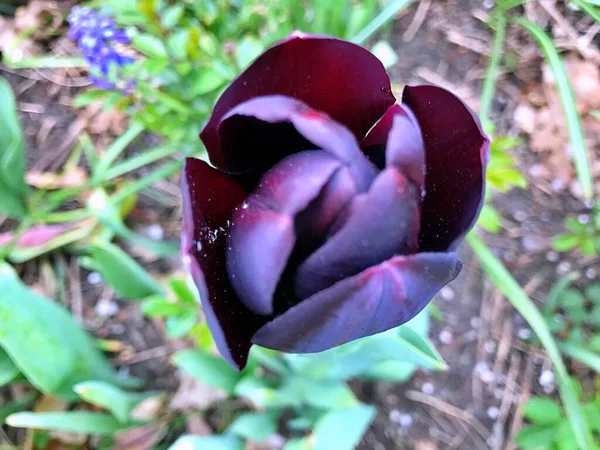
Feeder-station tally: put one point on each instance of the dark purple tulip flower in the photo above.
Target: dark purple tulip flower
(332, 212)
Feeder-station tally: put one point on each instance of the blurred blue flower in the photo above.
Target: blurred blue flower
(95, 35)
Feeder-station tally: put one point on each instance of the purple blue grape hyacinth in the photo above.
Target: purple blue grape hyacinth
(96, 35)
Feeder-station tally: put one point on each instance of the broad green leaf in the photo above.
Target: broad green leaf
(504, 281)
(542, 411)
(179, 326)
(573, 121)
(320, 393)
(43, 340)
(172, 15)
(111, 398)
(565, 438)
(8, 370)
(565, 242)
(73, 421)
(536, 437)
(15, 406)
(87, 97)
(183, 292)
(255, 426)
(128, 278)
(159, 306)
(150, 45)
(264, 395)
(205, 367)
(391, 371)
(572, 299)
(225, 442)
(247, 50)
(298, 444)
(207, 80)
(593, 293)
(342, 429)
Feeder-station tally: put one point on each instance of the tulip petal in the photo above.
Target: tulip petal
(380, 298)
(262, 234)
(339, 78)
(396, 141)
(260, 132)
(456, 154)
(209, 197)
(379, 224)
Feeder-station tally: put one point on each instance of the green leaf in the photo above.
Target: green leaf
(504, 281)
(87, 97)
(255, 426)
(43, 340)
(206, 81)
(342, 429)
(111, 398)
(586, 6)
(183, 292)
(263, 395)
(298, 444)
(210, 369)
(572, 299)
(565, 242)
(578, 147)
(321, 393)
(593, 293)
(247, 51)
(12, 155)
(158, 306)
(72, 421)
(391, 371)
(150, 45)
(8, 370)
(536, 437)
(179, 326)
(385, 53)
(542, 411)
(584, 356)
(207, 443)
(490, 219)
(15, 406)
(128, 278)
(565, 438)
(172, 15)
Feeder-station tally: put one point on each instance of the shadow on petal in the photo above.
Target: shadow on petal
(209, 197)
(380, 298)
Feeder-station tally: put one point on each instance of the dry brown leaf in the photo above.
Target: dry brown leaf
(198, 426)
(585, 79)
(43, 16)
(193, 395)
(141, 438)
(99, 122)
(148, 409)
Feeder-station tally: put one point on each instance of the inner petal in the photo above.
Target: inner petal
(378, 225)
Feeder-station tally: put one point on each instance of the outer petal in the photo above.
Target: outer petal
(380, 224)
(209, 197)
(456, 153)
(339, 78)
(396, 141)
(380, 298)
(260, 132)
(262, 234)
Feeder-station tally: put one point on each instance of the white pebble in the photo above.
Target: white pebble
(524, 333)
(520, 216)
(591, 273)
(557, 185)
(94, 278)
(498, 394)
(427, 388)
(106, 307)
(446, 337)
(475, 322)
(546, 378)
(489, 346)
(276, 441)
(155, 232)
(405, 420)
(552, 256)
(447, 293)
(583, 219)
(563, 267)
(493, 412)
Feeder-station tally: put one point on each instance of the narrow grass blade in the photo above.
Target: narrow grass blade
(583, 355)
(504, 281)
(388, 13)
(115, 149)
(580, 153)
(148, 156)
(487, 93)
(589, 8)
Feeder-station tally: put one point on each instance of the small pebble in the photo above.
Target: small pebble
(493, 412)
(524, 333)
(583, 219)
(498, 394)
(427, 388)
(557, 185)
(489, 346)
(475, 322)
(405, 420)
(276, 441)
(509, 256)
(520, 216)
(447, 293)
(549, 389)
(589, 203)
(563, 267)
(545, 216)
(155, 232)
(106, 307)
(591, 273)
(552, 256)
(94, 278)
(446, 337)
(546, 378)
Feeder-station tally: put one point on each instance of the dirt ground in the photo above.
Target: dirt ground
(492, 371)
